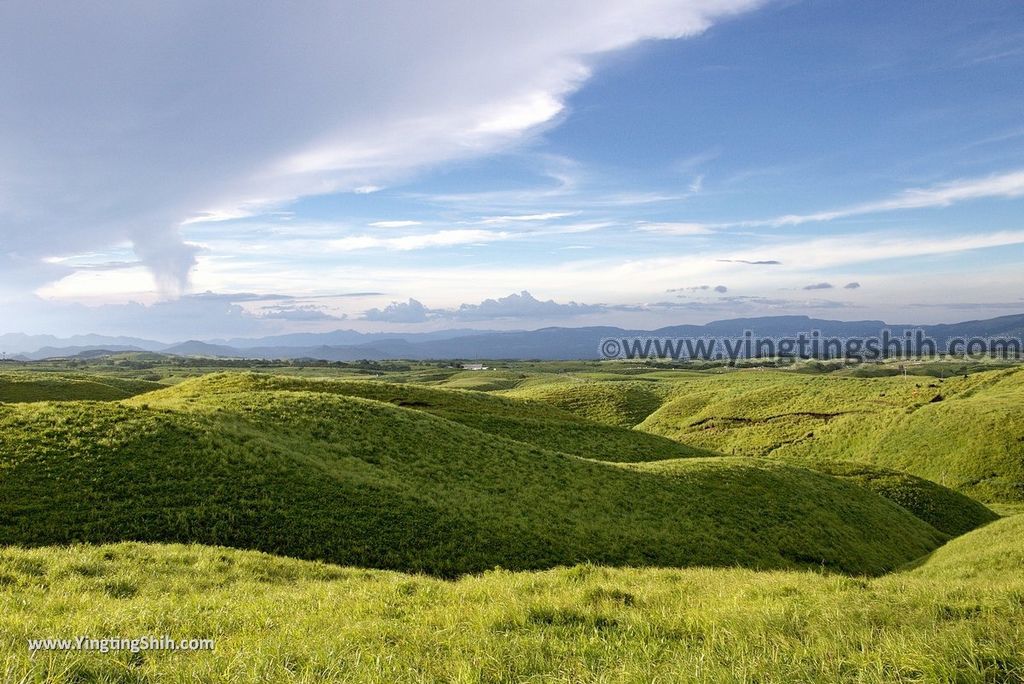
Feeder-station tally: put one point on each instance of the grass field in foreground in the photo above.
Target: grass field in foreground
(958, 617)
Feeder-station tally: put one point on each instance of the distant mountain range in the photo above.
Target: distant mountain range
(543, 344)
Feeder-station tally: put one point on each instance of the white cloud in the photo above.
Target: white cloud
(518, 115)
(307, 240)
(204, 111)
(679, 228)
(619, 284)
(411, 311)
(522, 305)
(854, 249)
(441, 238)
(298, 312)
(85, 284)
(1007, 186)
(394, 224)
(546, 216)
(218, 216)
(597, 275)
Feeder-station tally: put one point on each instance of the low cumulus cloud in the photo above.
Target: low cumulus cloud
(820, 286)
(411, 311)
(303, 313)
(720, 289)
(520, 305)
(851, 286)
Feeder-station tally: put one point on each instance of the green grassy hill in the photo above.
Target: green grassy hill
(532, 422)
(994, 553)
(946, 510)
(965, 432)
(26, 387)
(621, 403)
(483, 381)
(958, 617)
(270, 464)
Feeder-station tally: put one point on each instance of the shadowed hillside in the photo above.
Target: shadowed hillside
(944, 509)
(26, 387)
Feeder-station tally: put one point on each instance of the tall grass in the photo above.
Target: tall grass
(957, 618)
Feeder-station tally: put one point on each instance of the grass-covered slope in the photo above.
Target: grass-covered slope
(532, 422)
(964, 432)
(362, 482)
(27, 387)
(483, 381)
(994, 553)
(619, 403)
(957, 618)
(946, 510)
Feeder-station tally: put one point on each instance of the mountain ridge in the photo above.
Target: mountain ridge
(550, 343)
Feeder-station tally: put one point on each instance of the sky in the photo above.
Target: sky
(208, 170)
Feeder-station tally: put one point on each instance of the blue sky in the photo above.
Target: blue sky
(656, 163)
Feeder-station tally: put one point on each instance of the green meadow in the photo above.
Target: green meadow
(542, 522)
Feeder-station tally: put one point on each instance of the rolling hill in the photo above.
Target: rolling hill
(965, 432)
(28, 387)
(594, 550)
(532, 422)
(620, 403)
(946, 510)
(306, 469)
